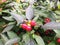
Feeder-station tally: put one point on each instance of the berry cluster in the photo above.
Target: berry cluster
(47, 20)
(28, 27)
(58, 40)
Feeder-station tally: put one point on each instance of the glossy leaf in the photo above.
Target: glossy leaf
(57, 12)
(57, 33)
(1, 43)
(52, 25)
(8, 18)
(11, 34)
(11, 23)
(4, 38)
(40, 13)
(29, 12)
(17, 17)
(12, 41)
(32, 1)
(12, 4)
(39, 40)
(28, 40)
(8, 28)
(51, 4)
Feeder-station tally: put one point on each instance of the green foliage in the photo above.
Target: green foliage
(39, 40)
(14, 14)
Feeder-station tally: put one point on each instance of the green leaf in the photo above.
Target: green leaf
(52, 43)
(8, 28)
(29, 12)
(11, 23)
(51, 15)
(39, 40)
(17, 17)
(28, 40)
(57, 33)
(57, 12)
(4, 38)
(20, 43)
(12, 34)
(12, 41)
(8, 18)
(36, 18)
(1, 43)
(40, 12)
(52, 25)
(57, 17)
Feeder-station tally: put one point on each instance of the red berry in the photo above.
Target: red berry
(24, 26)
(58, 40)
(47, 20)
(28, 28)
(33, 23)
(48, 31)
